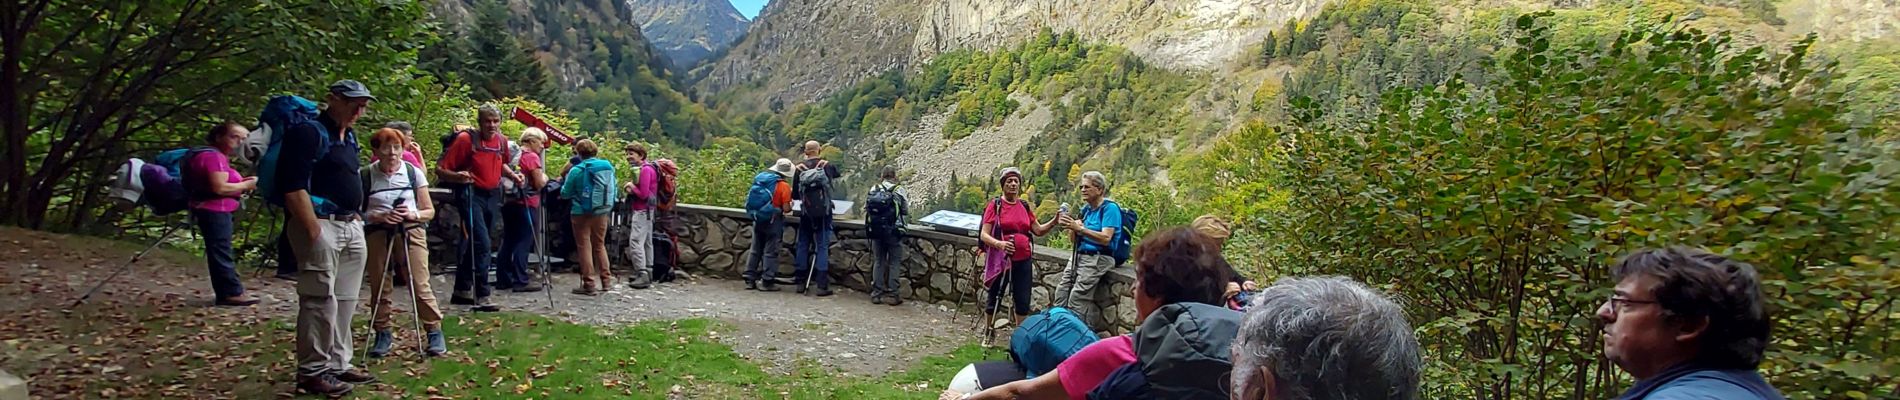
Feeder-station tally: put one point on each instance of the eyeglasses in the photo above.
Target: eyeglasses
(1618, 304)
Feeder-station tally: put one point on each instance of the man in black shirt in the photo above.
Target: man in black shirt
(814, 225)
(323, 198)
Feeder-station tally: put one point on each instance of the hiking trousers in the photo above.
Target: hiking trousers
(478, 215)
(215, 227)
(1077, 291)
(329, 282)
(640, 243)
(814, 251)
(517, 240)
(762, 263)
(382, 265)
(888, 250)
(590, 250)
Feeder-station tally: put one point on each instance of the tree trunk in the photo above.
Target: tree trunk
(12, 113)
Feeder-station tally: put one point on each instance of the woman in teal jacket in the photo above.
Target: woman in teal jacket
(590, 186)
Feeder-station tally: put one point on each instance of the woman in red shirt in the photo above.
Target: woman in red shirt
(1009, 225)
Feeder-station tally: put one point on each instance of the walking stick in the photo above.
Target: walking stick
(376, 294)
(126, 266)
(540, 249)
(415, 297)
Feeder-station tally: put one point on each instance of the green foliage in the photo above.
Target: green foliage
(719, 175)
(1496, 208)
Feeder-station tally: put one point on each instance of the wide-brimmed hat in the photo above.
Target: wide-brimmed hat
(1000, 176)
(783, 167)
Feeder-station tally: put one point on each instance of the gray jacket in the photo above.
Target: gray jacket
(1181, 352)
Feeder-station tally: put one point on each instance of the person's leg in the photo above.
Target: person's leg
(286, 257)
(375, 271)
(753, 261)
(465, 270)
(823, 261)
(215, 227)
(316, 299)
(584, 253)
(602, 266)
(1022, 281)
(1064, 287)
(418, 255)
(879, 269)
(1088, 271)
(510, 233)
(351, 254)
(486, 206)
(774, 235)
(894, 261)
(802, 252)
(640, 247)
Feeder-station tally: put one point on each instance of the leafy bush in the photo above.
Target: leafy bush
(1495, 210)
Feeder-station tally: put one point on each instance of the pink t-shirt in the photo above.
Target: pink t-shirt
(1016, 223)
(530, 161)
(1089, 367)
(412, 158)
(203, 166)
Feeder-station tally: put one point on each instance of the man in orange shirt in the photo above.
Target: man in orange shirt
(473, 164)
(768, 228)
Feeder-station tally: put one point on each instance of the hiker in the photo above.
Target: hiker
(397, 208)
(812, 186)
(1325, 337)
(473, 163)
(411, 152)
(768, 203)
(214, 197)
(640, 195)
(1008, 227)
(1239, 288)
(1177, 288)
(885, 213)
(518, 214)
(1687, 324)
(589, 187)
(1094, 252)
(328, 240)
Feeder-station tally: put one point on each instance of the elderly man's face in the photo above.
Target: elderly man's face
(1637, 335)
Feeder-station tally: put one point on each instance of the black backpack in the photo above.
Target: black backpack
(815, 191)
(880, 211)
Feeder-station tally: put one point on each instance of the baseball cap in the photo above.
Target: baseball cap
(351, 89)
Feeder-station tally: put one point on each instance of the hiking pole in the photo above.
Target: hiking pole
(126, 266)
(376, 294)
(415, 302)
(541, 249)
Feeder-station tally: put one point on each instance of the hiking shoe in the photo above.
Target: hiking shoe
(529, 287)
(877, 299)
(462, 298)
(801, 288)
(380, 346)
(586, 291)
(483, 305)
(768, 286)
(751, 285)
(324, 385)
(894, 300)
(437, 346)
(641, 281)
(822, 292)
(237, 301)
(355, 377)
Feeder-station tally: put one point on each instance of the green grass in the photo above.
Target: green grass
(530, 356)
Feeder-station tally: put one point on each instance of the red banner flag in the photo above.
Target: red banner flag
(554, 134)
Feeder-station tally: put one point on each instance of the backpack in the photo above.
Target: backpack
(1045, 339)
(815, 191)
(595, 196)
(407, 169)
(280, 115)
(509, 154)
(1123, 241)
(880, 211)
(160, 185)
(758, 201)
(668, 196)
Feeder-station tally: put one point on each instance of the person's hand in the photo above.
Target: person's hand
(824, 163)
(465, 176)
(248, 184)
(414, 148)
(1006, 246)
(950, 394)
(1232, 289)
(1249, 286)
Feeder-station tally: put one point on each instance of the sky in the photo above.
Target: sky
(749, 8)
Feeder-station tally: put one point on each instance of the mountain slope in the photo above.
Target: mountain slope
(688, 31)
(802, 50)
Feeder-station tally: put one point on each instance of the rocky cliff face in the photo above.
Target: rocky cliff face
(1856, 20)
(805, 49)
(580, 41)
(688, 31)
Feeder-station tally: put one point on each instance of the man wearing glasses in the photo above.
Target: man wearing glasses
(474, 161)
(1687, 324)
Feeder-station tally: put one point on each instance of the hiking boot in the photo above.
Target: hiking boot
(324, 385)
(877, 299)
(768, 286)
(437, 346)
(894, 300)
(355, 377)
(483, 305)
(641, 281)
(751, 285)
(529, 287)
(462, 298)
(822, 292)
(380, 346)
(242, 300)
(801, 288)
(586, 291)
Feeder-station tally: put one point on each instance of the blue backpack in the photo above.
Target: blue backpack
(1047, 338)
(1124, 235)
(758, 201)
(280, 115)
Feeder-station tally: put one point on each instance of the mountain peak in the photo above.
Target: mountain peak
(688, 31)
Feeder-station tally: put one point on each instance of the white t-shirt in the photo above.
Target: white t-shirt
(384, 189)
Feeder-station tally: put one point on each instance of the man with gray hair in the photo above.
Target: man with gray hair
(1324, 338)
(472, 164)
(1096, 235)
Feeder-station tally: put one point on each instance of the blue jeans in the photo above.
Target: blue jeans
(216, 228)
(478, 211)
(814, 241)
(763, 263)
(517, 240)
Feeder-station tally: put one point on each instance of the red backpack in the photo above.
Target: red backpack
(668, 184)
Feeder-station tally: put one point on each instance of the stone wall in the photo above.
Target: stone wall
(938, 267)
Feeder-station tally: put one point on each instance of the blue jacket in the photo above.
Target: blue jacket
(1693, 382)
